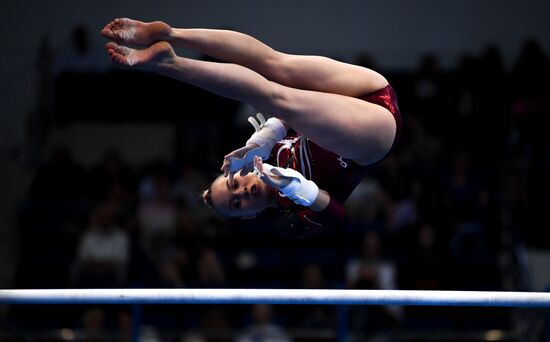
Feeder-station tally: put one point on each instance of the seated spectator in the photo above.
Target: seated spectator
(370, 270)
(103, 252)
(210, 270)
(172, 263)
(368, 202)
(314, 316)
(426, 264)
(157, 212)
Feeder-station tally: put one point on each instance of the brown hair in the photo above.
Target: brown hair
(206, 196)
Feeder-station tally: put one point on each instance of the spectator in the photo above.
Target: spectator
(425, 265)
(368, 204)
(172, 263)
(210, 270)
(103, 252)
(371, 270)
(157, 211)
(314, 316)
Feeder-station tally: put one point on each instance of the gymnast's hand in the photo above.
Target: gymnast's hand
(268, 177)
(267, 134)
(235, 161)
(289, 182)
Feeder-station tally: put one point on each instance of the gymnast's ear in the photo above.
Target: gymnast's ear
(205, 196)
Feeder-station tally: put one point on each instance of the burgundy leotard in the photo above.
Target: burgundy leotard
(337, 175)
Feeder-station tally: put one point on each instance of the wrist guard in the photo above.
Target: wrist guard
(267, 134)
(300, 190)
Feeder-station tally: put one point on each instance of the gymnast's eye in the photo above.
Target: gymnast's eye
(236, 203)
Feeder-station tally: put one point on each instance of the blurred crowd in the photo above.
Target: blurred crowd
(471, 167)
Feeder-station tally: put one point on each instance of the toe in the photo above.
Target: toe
(111, 45)
(107, 33)
(119, 22)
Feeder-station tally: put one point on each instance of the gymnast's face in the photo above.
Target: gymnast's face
(246, 197)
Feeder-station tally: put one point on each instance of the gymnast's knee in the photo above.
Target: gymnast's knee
(279, 67)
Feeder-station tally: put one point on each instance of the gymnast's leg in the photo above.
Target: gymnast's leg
(350, 127)
(304, 72)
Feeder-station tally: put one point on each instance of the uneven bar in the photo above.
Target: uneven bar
(275, 296)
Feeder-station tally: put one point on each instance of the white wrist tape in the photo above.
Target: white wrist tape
(300, 190)
(267, 134)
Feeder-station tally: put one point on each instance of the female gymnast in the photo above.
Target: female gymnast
(330, 120)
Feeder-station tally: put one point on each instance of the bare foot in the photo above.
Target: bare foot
(134, 32)
(147, 58)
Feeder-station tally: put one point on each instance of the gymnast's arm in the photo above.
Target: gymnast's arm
(313, 210)
(321, 201)
(299, 224)
(267, 134)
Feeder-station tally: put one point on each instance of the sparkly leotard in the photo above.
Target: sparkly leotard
(336, 175)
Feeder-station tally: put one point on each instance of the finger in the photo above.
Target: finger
(226, 161)
(248, 168)
(225, 167)
(107, 33)
(236, 154)
(258, 163)
(229, 155)
(268, 180)
(233, 153)
(264, 177)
